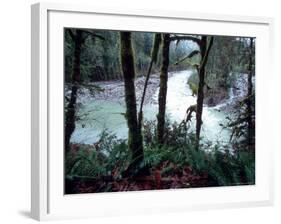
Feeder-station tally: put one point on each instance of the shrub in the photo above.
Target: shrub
(107, 157)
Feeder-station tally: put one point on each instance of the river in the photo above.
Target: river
(98, 115)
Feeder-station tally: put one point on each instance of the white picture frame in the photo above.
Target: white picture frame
(48, 201)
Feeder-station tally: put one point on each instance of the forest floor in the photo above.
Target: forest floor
(166, 175)
(183, 179)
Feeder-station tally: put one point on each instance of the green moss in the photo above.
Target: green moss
(135, 144)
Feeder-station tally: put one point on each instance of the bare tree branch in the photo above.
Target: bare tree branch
(193, 53)
(191, 38)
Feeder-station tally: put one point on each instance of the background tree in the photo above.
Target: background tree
(250, 112)
(142, 43)
(78, 36)
(242, 122)
(76, 76)
(226, 59)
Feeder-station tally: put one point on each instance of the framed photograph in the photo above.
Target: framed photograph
(138, 111)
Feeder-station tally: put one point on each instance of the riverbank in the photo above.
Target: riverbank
(105, 110)
(223, 97)
(113, 91)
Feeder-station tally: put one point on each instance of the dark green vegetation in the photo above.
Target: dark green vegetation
(177, 164)
(161, 153)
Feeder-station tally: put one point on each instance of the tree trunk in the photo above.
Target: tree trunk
(163, 89)
(135, 144)
(200, 94)
(154, 55)
(251, 129)
(76, 76)
(200, 91)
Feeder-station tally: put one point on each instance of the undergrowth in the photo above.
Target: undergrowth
(175, 160)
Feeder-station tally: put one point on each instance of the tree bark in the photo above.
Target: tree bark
(200, 94)
(135, 144)
(76, 78)
(251, 129)
(163, 89)
(154, 54)
(200, 91)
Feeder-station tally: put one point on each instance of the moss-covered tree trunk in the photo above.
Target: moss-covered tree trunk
(251, 129)
(135, 144)
(200, 94)
(200, 91)
(76, 78)
(163, 89)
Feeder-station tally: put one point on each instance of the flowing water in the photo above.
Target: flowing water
(98, 115)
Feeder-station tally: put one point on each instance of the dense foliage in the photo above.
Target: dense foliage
(100, 59)
(176, 165)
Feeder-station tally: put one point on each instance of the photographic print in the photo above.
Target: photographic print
(152, 111)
